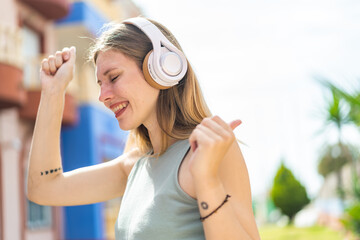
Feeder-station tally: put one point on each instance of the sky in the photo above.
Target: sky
(257, 61)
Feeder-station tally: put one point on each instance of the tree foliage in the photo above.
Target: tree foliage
(353, 100)
(287, 193)
(336, 113)
(351, 97)
(351, 219)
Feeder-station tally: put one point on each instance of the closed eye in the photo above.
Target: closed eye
(113, 79)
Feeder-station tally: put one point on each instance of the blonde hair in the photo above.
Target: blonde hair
(180, 108)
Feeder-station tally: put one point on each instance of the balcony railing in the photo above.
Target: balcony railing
(11, 45)
(12, 93)
(32, 75)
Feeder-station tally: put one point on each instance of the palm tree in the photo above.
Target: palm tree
(353, 100)
(336, 115)
(351, 218)
(344, 108)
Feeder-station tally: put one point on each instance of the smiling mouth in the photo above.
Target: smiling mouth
(119, 109)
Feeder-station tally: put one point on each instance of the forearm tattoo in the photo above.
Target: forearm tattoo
(47, 172)
(205, 206)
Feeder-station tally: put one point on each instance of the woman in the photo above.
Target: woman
(183, 175)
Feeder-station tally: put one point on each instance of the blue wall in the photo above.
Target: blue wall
(85, 14)
(96, 137)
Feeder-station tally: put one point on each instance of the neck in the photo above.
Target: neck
(154, 131)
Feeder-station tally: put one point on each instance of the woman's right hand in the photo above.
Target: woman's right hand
(57, 71)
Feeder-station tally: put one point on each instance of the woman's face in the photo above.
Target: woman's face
(123, 90)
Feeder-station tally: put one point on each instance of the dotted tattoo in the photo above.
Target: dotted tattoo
(50, 171)
(204, 205)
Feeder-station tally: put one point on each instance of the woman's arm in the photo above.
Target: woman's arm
(218, 170)
(46, 182)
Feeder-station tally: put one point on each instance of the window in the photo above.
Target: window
(38, 216)
(31, 52)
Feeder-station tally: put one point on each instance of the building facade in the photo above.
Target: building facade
(29, 31)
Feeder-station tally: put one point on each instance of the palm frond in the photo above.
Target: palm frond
(344, 107)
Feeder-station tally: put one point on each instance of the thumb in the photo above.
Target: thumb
(235, 124)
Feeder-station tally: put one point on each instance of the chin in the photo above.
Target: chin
(126, 126)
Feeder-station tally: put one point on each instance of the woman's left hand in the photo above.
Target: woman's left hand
(209, 142)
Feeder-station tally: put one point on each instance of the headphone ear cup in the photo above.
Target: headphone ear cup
(147, 75)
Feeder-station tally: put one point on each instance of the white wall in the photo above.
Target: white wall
(8, 12)
(10, 149)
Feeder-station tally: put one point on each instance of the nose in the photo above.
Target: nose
(106, 93)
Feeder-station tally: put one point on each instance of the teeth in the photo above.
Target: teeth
(119, 107)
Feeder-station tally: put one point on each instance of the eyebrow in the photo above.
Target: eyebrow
(105, 73)
(109, 70)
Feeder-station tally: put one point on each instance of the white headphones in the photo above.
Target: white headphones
(165, 65)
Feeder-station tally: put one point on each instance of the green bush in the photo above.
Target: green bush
(287, 193)
(351, 219)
